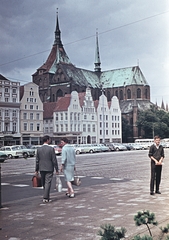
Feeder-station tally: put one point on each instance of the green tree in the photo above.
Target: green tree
(145, 217)
(153, 122)
(110, 233)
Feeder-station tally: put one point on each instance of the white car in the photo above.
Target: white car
(26, 152)
(12, 152)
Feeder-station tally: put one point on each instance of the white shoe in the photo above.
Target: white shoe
(72, 195)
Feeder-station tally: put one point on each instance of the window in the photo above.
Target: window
(31, 126)
(6, 90)
(106, 124)
(138, 93)
(61, 116)
(75, 116)
(93, 128)
(100, 117)
(14, 113)
(92, 117)
(25, 106)
(13, 90)
(25, 127)
(13, 99)
(27, 99)
(85, 116)
(31, 99)
(14, 127)
(38, 127)
(46, 129)
(25, 116)
(6, 99)
(56, 116)
(6, 113)
(78, 127)
(66, 127)
(51, 129)
(112, 125)
(107, 132)
(37, 116)
(121, 94)
(61, 127)
(84, 127)
(65, 116)
(78, 116)
(31, 107)
(57, 128)
(71, 114)
(100, 124)
(31, 93)
(128, 94)
(31, 116)
(37, 107)
(88, 128)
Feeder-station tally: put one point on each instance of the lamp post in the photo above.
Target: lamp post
(103, 118)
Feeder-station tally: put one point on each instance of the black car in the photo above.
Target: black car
(3, 157)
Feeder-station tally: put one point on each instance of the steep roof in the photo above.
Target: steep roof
(62, 103)
(3, 78)
(123, 76)
(48, 108)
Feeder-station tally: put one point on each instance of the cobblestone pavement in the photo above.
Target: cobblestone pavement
(79, 218)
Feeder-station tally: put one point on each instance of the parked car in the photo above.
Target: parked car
(136, 146)
(119, 147)
(26, 152)
(103, 147)
(58, 149)
(84, 148)
(35, 147)
(3, 157)
(128, 146)
(11, 151)
(110, 146)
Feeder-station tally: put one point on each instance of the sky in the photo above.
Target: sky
(131, 33)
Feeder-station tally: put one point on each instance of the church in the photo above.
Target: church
(58, 76)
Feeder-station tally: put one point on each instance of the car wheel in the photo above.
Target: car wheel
(117, 149)
(91, 151)
(25, 155)
(77, 152)
(10, 156)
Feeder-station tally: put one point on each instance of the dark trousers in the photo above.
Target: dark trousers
(155, 176)
(46, 178)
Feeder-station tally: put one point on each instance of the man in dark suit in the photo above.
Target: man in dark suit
(46, 161)
(156, 154)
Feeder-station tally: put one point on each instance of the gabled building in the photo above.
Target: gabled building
(31, 114)
(58, 77)
(82, 120)
(9, 112)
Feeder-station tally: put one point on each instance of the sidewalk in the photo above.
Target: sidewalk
(80, 218)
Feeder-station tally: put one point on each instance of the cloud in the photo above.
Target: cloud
(128, 35)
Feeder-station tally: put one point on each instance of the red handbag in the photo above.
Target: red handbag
(36, 181)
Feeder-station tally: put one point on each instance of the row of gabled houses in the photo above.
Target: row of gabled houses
(24, 119)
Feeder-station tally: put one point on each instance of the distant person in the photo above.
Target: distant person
(156, 154)
(46, 161)
(68, 165)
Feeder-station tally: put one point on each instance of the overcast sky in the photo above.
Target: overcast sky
(131, 32)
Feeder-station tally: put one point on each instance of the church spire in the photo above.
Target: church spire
(57, 33)
(97, 56)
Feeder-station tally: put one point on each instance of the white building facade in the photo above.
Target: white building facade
(85, 121)
(31, 115)
(9, 112)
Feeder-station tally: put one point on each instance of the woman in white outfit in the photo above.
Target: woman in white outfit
(68, 165)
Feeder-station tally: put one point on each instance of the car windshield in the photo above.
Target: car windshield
(14, 148)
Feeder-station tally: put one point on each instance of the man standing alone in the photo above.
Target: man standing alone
(156, 154)
(46, 161)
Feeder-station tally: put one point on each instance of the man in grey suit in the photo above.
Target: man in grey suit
(46, 161)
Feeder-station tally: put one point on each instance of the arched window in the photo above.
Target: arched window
(128, 94)
(108, 96)
(138, 93)
(59, 93)
(121, 94)
(53, 97)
